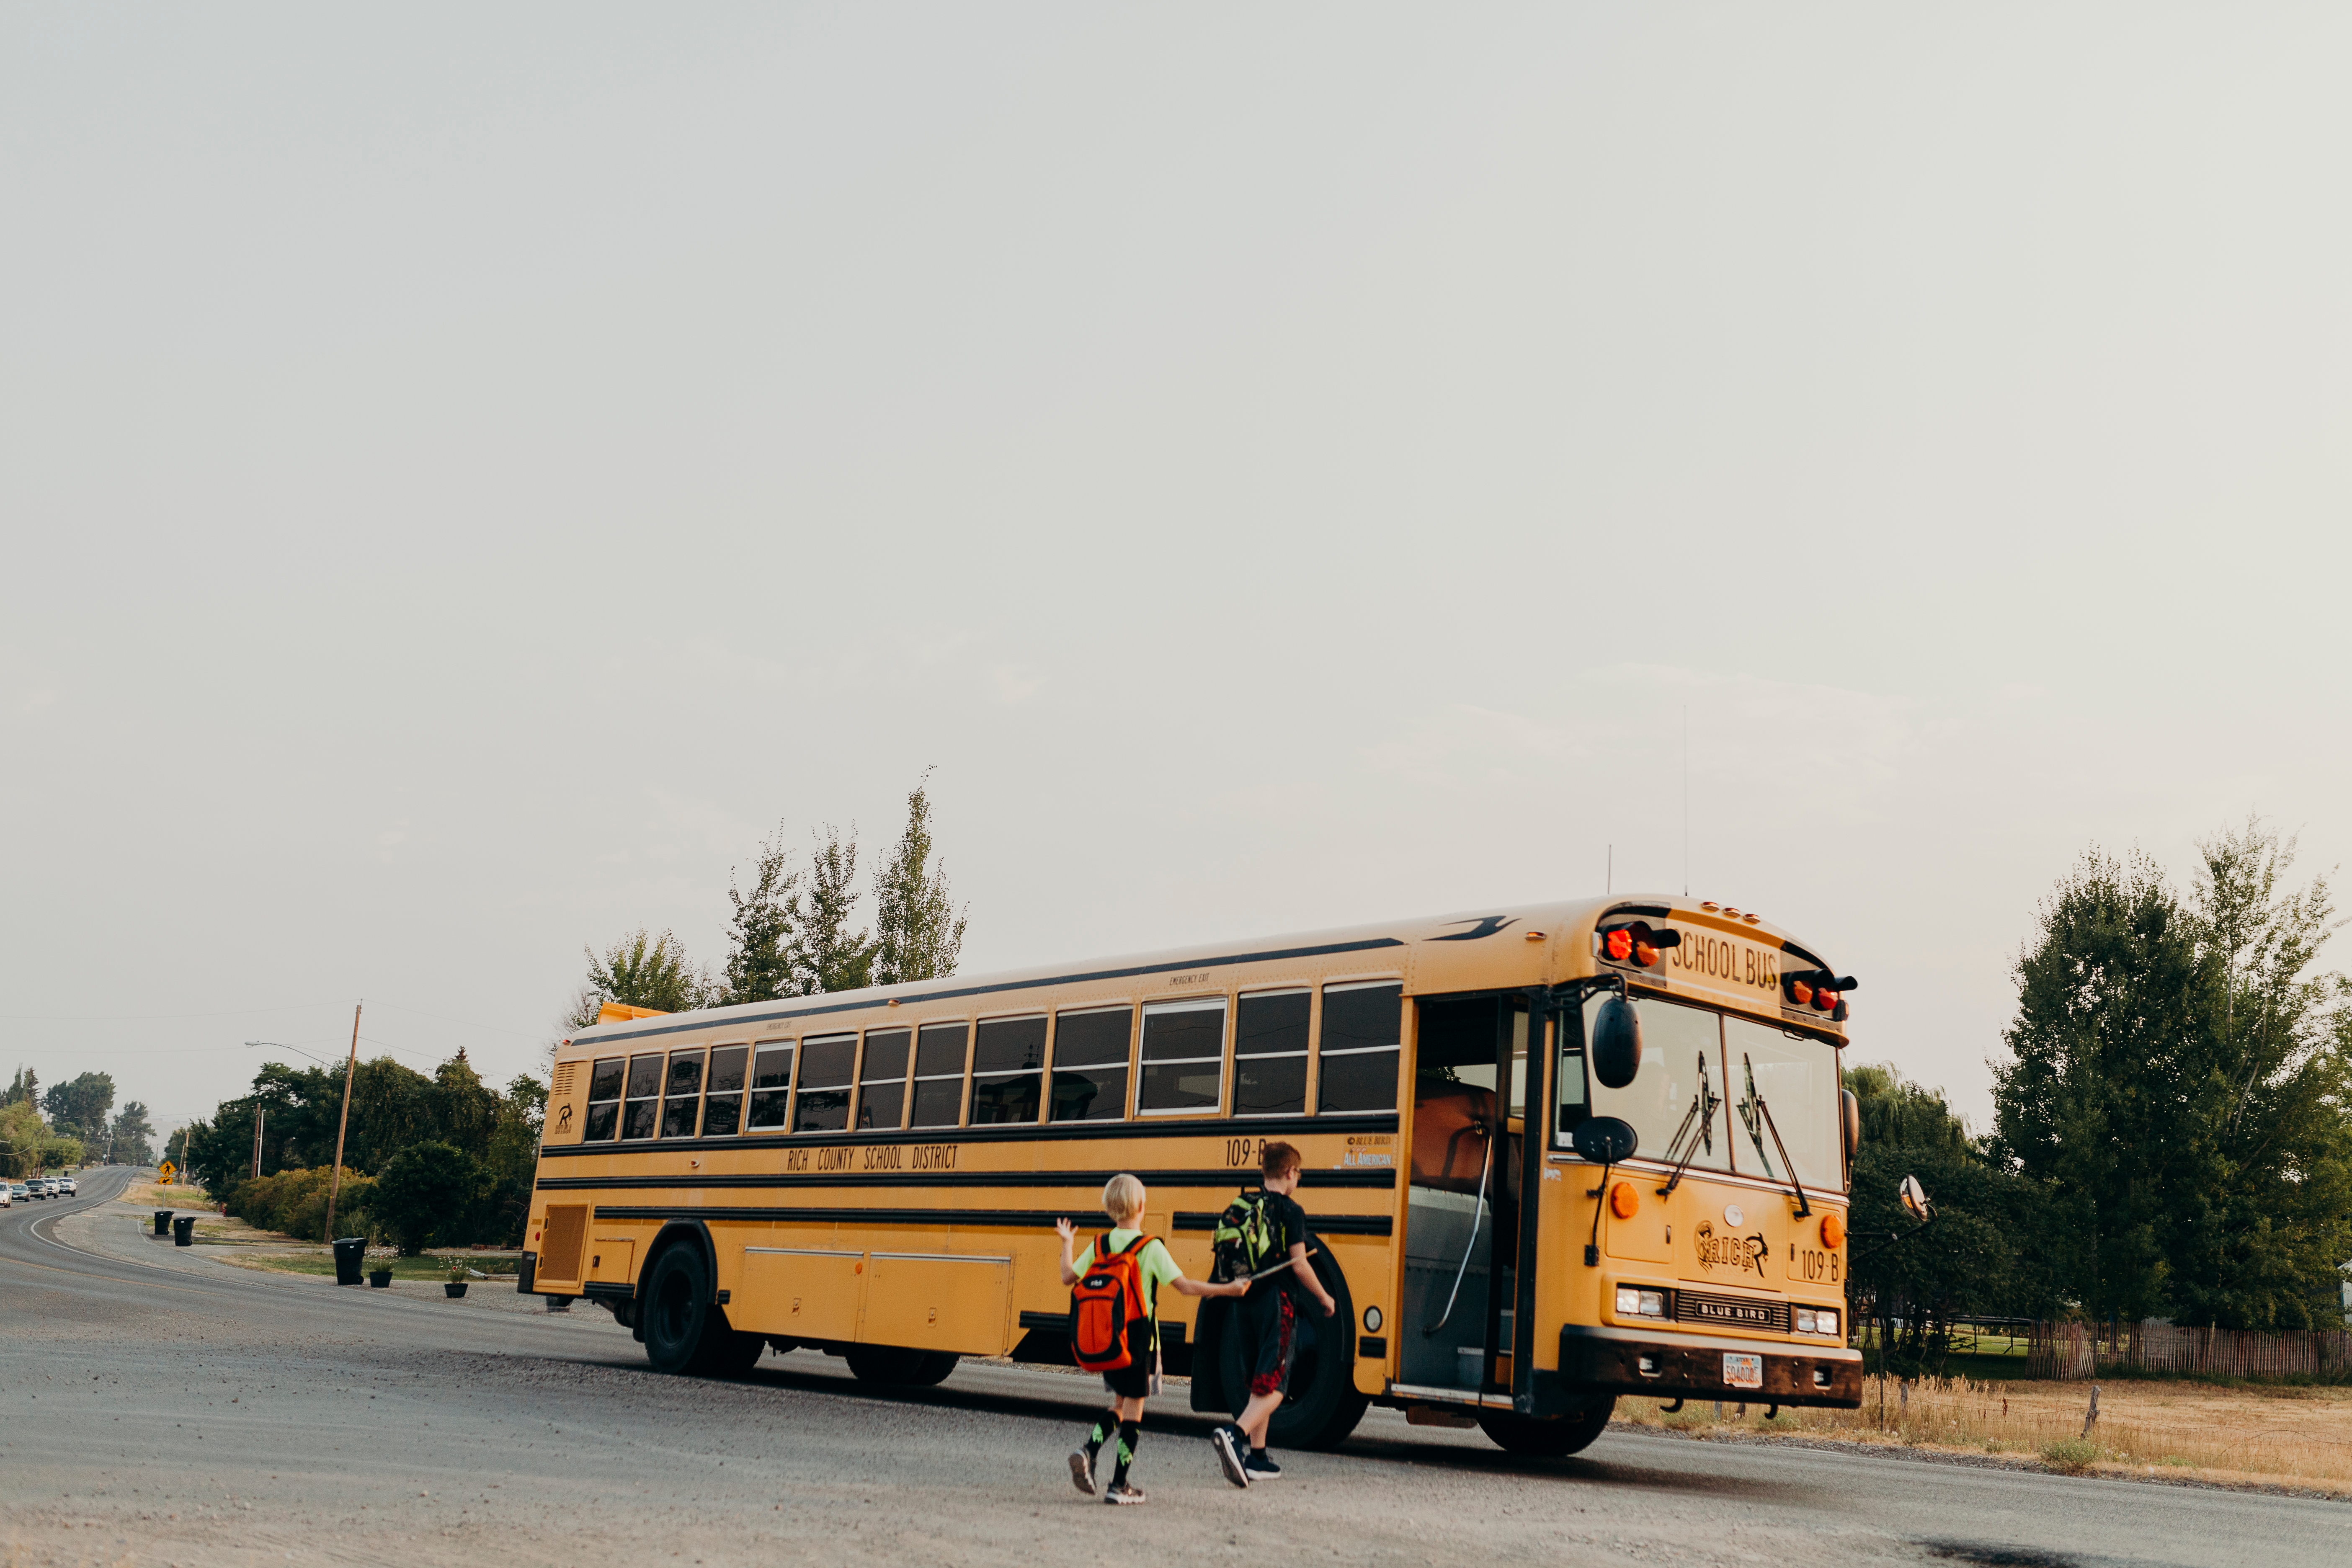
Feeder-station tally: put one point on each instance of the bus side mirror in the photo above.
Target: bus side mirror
(1616, 1050)
(1605, 1140)
(1850, 1122)
(1914, 1198)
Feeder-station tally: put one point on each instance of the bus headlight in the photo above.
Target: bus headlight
(1635, 1303)
(1817, 1319)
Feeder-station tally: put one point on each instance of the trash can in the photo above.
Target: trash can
(184, 1230)
(350, 1252)
(163, 1222)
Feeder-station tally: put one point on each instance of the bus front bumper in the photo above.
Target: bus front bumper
(1661, 1364)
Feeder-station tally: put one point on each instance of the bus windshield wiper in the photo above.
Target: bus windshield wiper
(1759, 1116)
(1703, 1107)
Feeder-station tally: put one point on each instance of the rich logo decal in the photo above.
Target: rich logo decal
(564, 1118)
(1741, 1253)
(1483, 925)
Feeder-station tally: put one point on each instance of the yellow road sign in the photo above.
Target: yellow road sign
(168, 1170)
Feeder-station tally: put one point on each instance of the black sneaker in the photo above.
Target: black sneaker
(1081, 1470)
(1225, 1441)
(1123, 1492)
(1258, 1467)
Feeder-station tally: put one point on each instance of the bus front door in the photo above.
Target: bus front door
(1461, 1212)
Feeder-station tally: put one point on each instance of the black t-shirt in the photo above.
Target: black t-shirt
(1287, 1221)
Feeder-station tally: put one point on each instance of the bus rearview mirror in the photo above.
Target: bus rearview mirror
(1616, 1043)
(1605, 1140)
(1914, 1200)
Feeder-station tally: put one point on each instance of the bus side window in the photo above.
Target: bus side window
(1008, 1064)
(940, 1053)
(1363, 1033)
(722, 1104)
(1090, 1051)
(882, 1082)
(826, 1067)
(641, 1115)
(1270, 1035)
(772, 1083)
(1183, 1057)
(603, 1100)
(1574, 1102)
(682, 1095)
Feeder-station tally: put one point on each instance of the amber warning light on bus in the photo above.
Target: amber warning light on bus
(1820, 990)
(1634, 942)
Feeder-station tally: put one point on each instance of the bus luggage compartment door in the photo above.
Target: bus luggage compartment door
(939, 1302)
(802, 1292)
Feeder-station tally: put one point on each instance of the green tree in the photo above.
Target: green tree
(131, 1141)
(22, 1135)
(81, 1106)
(759, 951)
(1977, 1258)
(2260, 1208)
(918, 930)
(642, 969)
(2105, 1049)
(826, 955)
(512, 1161)
(25, 1088)
(428, 1189)
(2180, 1081)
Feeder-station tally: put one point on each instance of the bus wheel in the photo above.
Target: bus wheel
(1323, 1405)
(676, 1309)
(1541, 1440)
(936, 1366)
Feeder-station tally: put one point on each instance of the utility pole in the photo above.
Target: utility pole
(259, 1111)
(335, 1183)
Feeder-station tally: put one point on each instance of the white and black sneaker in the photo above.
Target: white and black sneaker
(1228, 1442)
(1258, 1467)
(1123, 1492)
(1081, 1470)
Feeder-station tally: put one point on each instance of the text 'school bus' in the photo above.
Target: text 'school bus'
(876, 1174)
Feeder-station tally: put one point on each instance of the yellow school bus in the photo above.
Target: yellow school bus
(1554, 1154)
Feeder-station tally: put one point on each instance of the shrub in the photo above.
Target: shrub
(427, 1192)
(2070, 1455)
(294, 1201)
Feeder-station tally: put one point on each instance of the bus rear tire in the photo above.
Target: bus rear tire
(724, 1351)
(676, 1310)
(898, 1367)
(1324, 1405)
(1535, 1438)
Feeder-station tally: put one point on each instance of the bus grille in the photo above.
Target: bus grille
(1735, 1311)
(560, 1242)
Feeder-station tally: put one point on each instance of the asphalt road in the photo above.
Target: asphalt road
(164, 1408)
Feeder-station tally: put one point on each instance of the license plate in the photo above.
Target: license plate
(1742, 1371)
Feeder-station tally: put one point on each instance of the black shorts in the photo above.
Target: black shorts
(1272, 1324)
(1133, 1381)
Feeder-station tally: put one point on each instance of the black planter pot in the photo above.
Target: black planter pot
(454, 1289)
(381, 1278)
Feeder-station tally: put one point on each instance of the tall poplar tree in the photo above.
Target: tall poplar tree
(918, 930)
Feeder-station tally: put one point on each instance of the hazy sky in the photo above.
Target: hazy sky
(468, 474)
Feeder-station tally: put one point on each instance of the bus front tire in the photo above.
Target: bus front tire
(1324, 1405)
(1547, 1439)
(901, 1368)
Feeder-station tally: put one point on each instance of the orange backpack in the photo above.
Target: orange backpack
(1107, 1297)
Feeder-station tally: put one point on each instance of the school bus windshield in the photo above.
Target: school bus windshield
(1711, 1078)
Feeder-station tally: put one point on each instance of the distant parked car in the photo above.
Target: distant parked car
(70, 1186)
(20, 1192)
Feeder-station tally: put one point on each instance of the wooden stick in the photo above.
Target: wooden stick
(335, 1183)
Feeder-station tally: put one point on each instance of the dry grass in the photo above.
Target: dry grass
(155, 1195)
(2239, 1435)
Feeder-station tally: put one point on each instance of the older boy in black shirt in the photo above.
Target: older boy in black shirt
(1267, 1319)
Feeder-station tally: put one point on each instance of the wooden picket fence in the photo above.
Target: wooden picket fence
(2080, 1349)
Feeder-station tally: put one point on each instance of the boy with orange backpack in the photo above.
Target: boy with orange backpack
(1115, 1325)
